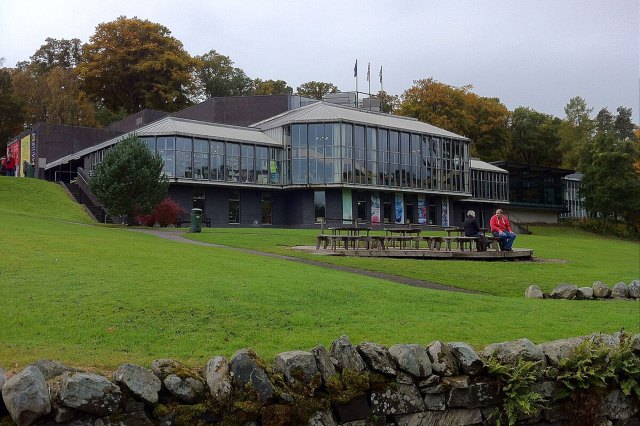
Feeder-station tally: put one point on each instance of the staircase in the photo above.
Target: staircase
(79, 189)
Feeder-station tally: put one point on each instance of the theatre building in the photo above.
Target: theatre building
(303, 160)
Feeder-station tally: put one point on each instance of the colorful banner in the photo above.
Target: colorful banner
(347, 206)
(422, 209)
(399, 207)
(445, 212)
(25, 154)
(375, 207)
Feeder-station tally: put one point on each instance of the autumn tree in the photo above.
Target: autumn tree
(216, 76)
(54, 96)
(457, 109)
(534, 138)
(136, 64)
(130, 180)
(575, 131)
(271, 87)
(316, 89)
(12, 118)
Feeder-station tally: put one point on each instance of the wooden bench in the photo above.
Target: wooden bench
(323, 239)
(467, 243)
(401, 240)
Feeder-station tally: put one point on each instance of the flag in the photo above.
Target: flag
(355, 69)
(369, 72)
(380, 74)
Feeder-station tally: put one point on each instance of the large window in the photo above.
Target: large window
(405, 170)
(316, 153)
(394, 155)
(217, 160)
(262, 165)
(167, 150)
(184, 151)
(247, 163)
(201, 159)
(372, 156)
(319, 204)
(299, 154)
(416, 161)
(360, 156)
(347, 153)
(233, 162)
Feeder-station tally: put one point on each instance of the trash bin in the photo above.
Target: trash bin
(196, 220)
(30, 170)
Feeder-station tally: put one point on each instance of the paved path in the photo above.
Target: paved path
(176, 235)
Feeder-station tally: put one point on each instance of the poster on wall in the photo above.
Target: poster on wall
(422, 209)
(375, 207)
(347, 206)
(445, 212)
(25, 153)
(399, 198)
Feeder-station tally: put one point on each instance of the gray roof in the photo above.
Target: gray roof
(181, 127)
(328, 112)
(481, 165)
(574, 176)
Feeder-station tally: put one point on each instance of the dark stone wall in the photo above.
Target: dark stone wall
(137, 120)
(54, 141)
(237, 110)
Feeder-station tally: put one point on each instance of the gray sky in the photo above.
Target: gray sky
(534, 53)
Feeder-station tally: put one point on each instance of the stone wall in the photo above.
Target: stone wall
(367, 384)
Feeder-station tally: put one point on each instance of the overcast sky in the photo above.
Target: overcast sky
(536, 53)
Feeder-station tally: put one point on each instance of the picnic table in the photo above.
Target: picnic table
(349, 236)
(402, 236)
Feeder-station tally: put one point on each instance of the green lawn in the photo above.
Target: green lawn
(100, 296)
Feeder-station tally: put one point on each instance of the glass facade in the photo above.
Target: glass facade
(490, 185)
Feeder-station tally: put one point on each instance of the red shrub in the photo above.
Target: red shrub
(165, 213)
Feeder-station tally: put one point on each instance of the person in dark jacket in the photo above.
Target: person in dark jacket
(472, 229)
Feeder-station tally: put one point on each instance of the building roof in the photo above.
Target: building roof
(481, 165)
(181, 127)
(574, 176)
(328, 112)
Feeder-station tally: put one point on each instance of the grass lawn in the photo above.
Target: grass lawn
(99, 296)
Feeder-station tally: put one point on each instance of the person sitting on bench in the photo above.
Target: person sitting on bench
(472, 229)
(501, 228)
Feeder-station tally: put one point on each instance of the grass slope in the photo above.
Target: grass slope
(99, 296)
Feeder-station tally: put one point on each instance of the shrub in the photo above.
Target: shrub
(164, 214)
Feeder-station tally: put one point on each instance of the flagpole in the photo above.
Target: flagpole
(355, 74)
(369, 80)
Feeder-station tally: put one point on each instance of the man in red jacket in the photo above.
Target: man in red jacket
(501, 228)
(10, 164)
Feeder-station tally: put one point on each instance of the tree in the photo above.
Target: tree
(534, 138)
(271, 87)
(130, 180)
(12, 117)
(575, 131)
(457, 109)
(217, 76)
(611, 185)
(57, 53)
(316, 89)
(135, 64)
(54, 96)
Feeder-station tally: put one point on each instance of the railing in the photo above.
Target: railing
(83, 184)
